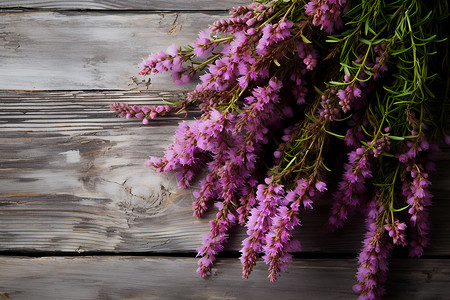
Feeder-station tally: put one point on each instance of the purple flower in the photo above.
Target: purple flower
(203, 45)
(355, 173)
(373, 258)
(268, 196)
(349, 95)
(272, 34)
(279, 239)
(396, 232)
(143, 112)
(326, 14)
(419, 199)
(212, 244)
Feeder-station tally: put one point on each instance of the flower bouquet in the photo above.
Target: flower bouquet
(309, 99)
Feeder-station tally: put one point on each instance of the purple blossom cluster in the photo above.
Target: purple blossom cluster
(419, 199)
(203, 46)
(268, 196)
(396, 231)
(377, 246)
(271, 223)
(374, 257)
(329, 111)
(327, 14)
(279, 240)
(145, 113)
(415, 188)
(353, 183)
(171, 60)
(379, 66)
(350, 94)
(244, 19)
(229, 137)
(272, 34)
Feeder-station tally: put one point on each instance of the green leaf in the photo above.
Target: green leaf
(290, 163)
(318, 90)
(335, 134)
(404, 94)
(332, 40)
(376, 42)
(337, 83)
(390, 91)
(311, 118)
(346, 65)
(366, 26)
(346, 71)
(396, 138)
(365, 131)
(326, 168)
(429, 92)
(364, 41)
(343, 119)
(402, 102)
(387, 154)
(400, 51)
(365, 144)
(355, 9)
(400, 209)
(304, 39)
(172, 103)
(344, 50)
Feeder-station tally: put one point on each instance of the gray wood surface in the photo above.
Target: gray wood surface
(79, 50)
(124, 4)
(73, 179)
(174, 278)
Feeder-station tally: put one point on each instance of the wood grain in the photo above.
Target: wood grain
(73, 176)
(81, 50)
(72, 179)
(174, 278)
(123, 5)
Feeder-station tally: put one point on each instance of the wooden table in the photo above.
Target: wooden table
(81, 217)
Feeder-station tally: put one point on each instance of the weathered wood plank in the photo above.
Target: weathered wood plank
(72, 179)
(123, 5)
(175, 278)
(81, 50)
(78, 181)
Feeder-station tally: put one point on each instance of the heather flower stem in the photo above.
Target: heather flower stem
(202, 65)
(363, 65)
(319, 160)
(401, 209)
(224, 39)
(294, 2)
(232, 104)
(274, 16)
(391, 196)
